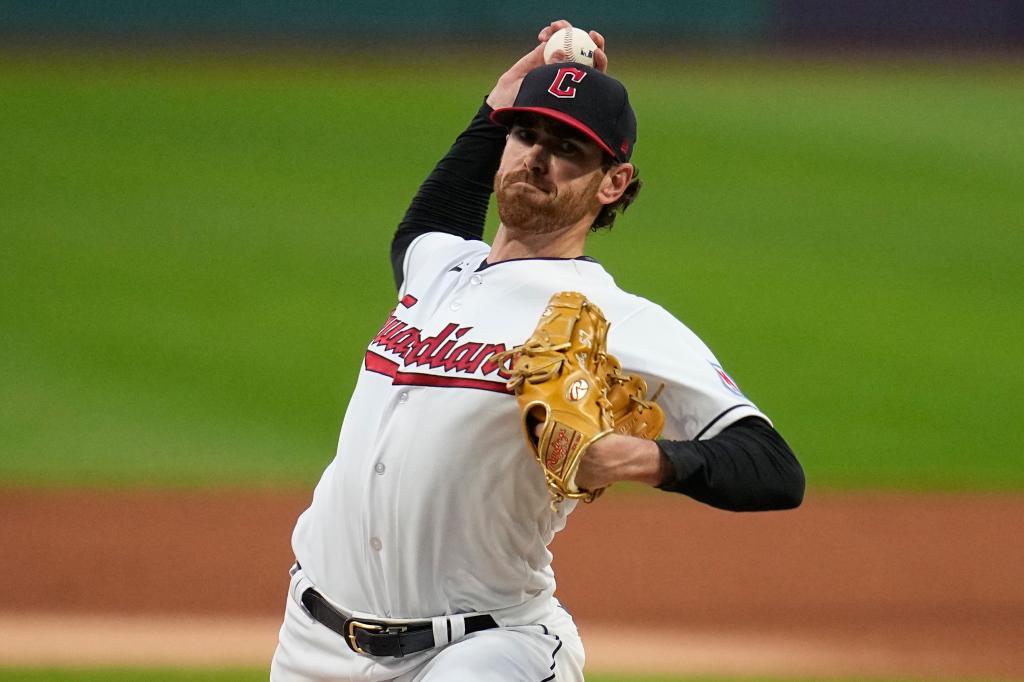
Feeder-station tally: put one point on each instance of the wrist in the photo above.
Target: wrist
(647, 463)
(504, 92)
(498, 99)
(635, 459)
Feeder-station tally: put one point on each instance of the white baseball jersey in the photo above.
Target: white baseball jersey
(434, 503)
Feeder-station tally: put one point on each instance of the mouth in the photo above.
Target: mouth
(528, 185)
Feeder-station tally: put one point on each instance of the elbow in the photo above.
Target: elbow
(784, 492)
(791, 494)
(791, 482)
(791, 499)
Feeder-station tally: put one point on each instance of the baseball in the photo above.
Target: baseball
(574, 42)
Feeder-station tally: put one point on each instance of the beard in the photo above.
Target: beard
(537, 207)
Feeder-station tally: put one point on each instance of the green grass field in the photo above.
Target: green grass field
(194, 255)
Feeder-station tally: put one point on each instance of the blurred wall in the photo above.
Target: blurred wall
(930, 24)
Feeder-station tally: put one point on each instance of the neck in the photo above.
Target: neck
(509, 244)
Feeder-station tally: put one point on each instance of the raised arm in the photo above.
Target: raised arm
(454, 197)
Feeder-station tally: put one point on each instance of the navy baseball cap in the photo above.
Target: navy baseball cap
(582, 97)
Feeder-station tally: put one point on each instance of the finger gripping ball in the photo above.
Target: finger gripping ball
(575, 44)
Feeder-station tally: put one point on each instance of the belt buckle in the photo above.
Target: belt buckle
(352, 625)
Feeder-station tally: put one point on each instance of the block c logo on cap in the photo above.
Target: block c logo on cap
(566, 77)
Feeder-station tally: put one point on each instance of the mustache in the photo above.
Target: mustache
(527, 177)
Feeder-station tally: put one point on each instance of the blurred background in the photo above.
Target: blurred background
(196, 202)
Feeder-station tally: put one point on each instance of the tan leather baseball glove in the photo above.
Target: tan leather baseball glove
(564, 377)
(633, 414)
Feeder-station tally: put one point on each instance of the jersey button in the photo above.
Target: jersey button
(379, 468)
(476, 280)
(403, 398)
(376, 544)
(455, 305)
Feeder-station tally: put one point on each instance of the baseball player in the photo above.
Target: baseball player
(424, 553)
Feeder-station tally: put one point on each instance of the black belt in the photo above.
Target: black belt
(380, 638)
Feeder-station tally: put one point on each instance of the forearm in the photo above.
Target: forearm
(623, 458)
(746, 467)
(454, 197)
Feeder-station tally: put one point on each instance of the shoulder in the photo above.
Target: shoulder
(434, 253)
(636, 318)
(699, 396)
(625, 310)
(651, 325)
(638, 325)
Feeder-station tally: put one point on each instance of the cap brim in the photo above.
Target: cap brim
(504, 117)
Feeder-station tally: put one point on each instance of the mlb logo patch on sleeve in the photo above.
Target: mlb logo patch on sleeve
(727, 380)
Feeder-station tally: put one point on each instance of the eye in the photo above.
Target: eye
(524, 135)
(569, 148)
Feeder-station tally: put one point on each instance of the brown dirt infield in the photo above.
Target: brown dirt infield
(850, 584)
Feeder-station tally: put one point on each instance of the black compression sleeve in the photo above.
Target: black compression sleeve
(746, 467)
(454, 197)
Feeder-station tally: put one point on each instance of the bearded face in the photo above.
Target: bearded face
(548, 179)
(527, 203)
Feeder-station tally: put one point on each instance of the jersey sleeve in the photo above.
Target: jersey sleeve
(432, 254)
(699, 397)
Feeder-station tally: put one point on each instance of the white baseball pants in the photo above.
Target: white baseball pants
(545, 651)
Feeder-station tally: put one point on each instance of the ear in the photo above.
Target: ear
(614, 183)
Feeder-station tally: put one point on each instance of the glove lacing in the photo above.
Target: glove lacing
(535, 375)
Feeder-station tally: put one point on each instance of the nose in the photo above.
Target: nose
(536, 159)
